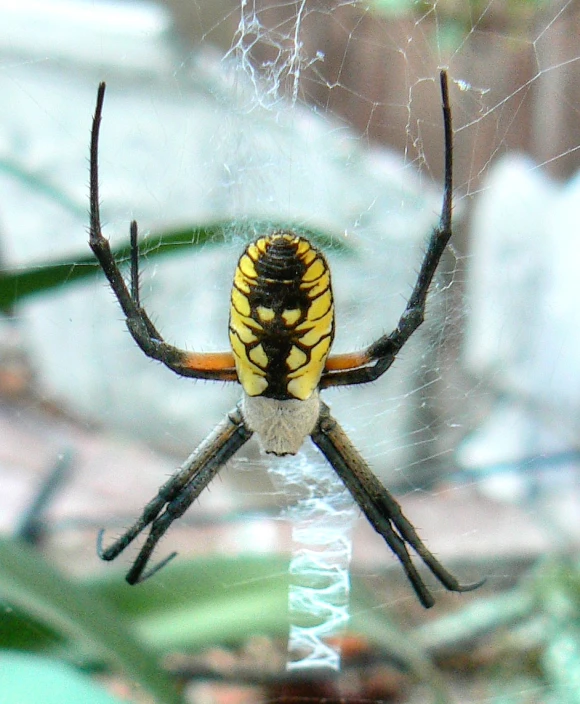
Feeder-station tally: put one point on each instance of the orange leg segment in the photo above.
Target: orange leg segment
(211, 362)
(350, 360)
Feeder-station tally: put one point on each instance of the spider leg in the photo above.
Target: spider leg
(178, 493)
(381, 509)
(371, 363)
(219, 366)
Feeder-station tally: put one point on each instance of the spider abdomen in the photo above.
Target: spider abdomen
(281, 317)
(281, 424)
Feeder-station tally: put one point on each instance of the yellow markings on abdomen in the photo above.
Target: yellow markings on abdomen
(247, 268)
(240, 302)
(315, 271)
(291, 316)
(296, 359)
(281, 317)
(258, 356)
(265, 314)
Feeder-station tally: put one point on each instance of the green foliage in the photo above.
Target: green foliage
(68, 609)
(557, 590)
(207, 601)
(222, 601)
(533, 629)
(194, 605)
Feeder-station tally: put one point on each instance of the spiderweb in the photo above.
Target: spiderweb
(301, 102)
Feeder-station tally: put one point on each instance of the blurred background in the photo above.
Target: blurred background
(224, 118)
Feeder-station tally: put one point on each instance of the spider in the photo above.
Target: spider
(281, 329)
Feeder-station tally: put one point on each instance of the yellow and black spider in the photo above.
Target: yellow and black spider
(281, 329)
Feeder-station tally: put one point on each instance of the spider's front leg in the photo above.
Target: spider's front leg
(371, 363)
(138, 321)
(380, 507)
(214, 366)
(178, 493)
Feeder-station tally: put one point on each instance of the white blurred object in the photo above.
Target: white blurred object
(523, 332)
(66, 29)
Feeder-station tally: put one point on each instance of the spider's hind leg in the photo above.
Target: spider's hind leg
(178, 493)
(381, 508)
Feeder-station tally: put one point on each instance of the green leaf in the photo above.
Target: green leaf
(30, 679)
(19, 631)
(28, 582)
(203, 602)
